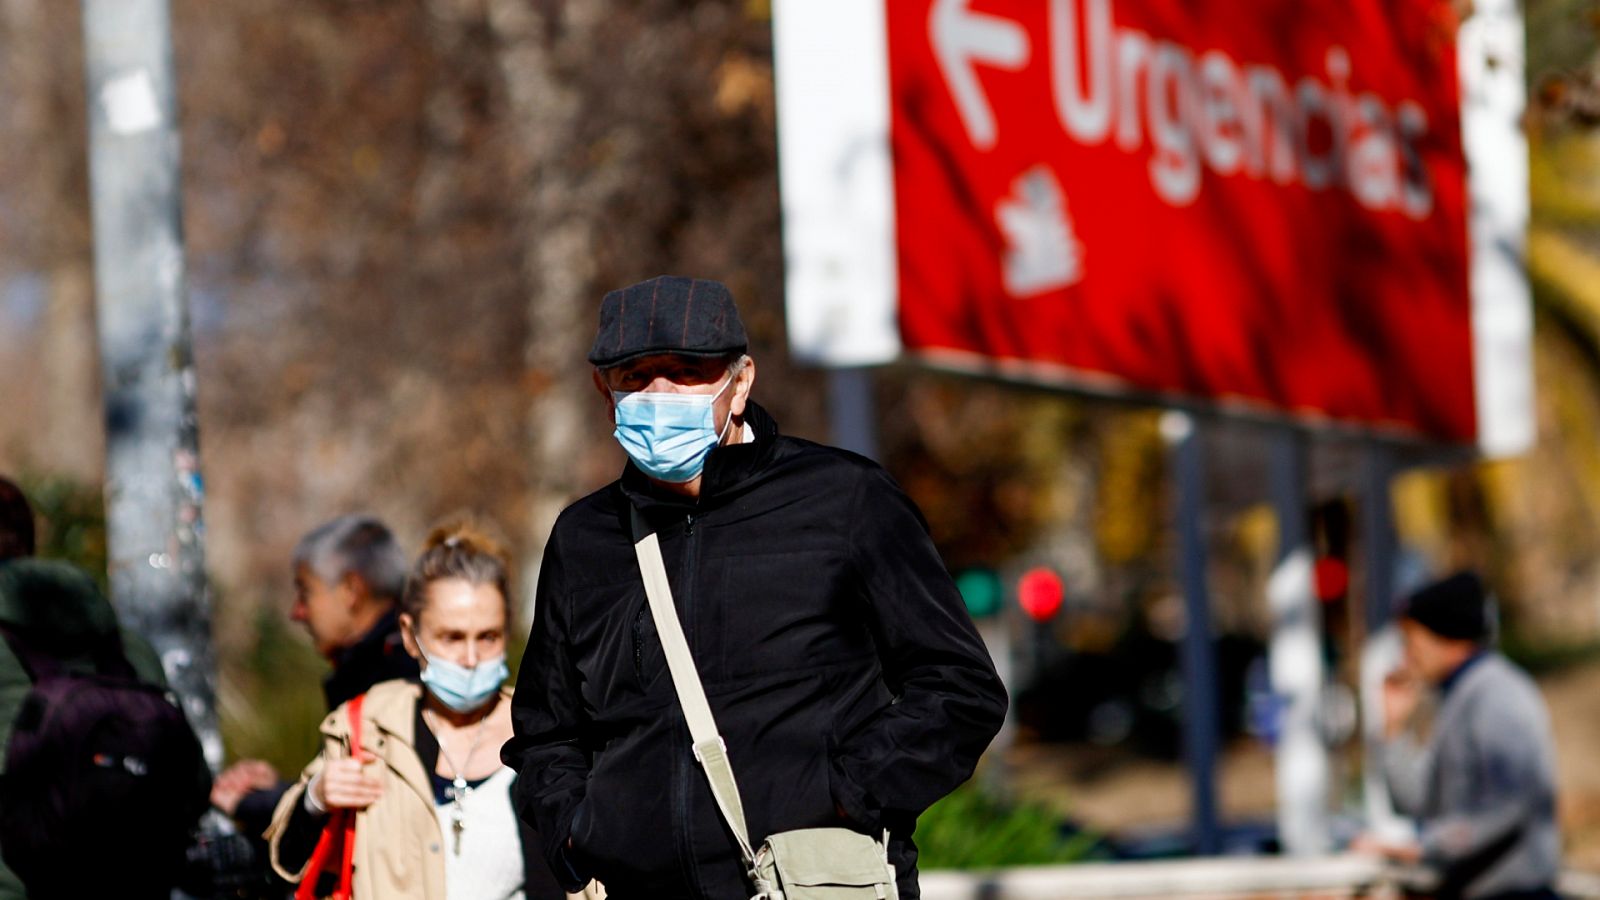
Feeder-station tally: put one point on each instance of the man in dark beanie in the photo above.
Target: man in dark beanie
(847, 683)
(1482, 786)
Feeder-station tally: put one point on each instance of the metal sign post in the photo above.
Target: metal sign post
(852, 413)
(1201, 731)
(153, 484)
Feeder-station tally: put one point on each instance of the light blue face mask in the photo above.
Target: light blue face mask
(461, 688)
(668, 436)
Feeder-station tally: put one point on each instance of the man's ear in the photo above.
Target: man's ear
(355, 588)
(605, 391)
(742, 385)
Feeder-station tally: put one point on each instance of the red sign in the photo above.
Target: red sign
(1261, 202)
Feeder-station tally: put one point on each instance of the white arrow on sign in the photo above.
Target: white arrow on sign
(961, 40)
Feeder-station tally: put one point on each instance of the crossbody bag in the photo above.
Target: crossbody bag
(804, 864)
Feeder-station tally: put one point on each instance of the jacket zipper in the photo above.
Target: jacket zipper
(687, 768)
(638, 644)
(644, 610)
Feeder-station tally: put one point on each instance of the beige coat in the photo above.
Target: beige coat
(399, 849)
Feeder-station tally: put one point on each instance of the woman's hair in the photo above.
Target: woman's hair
(457, 550)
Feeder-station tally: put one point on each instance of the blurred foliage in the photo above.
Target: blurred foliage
(1132, 488)
(1561, 37)
(969, 829)
(984, 462)
(1564, 180)
(270, 700)
(1539, 655)
(70, 521)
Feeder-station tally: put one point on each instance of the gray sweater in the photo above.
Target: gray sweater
(1483, 787)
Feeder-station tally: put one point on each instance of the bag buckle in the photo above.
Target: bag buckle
(723, 746)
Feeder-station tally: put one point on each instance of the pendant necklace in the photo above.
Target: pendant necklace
(459, 789)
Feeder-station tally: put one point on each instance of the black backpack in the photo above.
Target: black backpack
(102, 787)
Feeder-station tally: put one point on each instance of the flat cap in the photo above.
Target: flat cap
(667, 314)
(1455, 607)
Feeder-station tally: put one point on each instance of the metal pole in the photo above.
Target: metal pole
(1200, 721)
(1295, 656)
(852, 416)
(153, 484)
(1377, 514)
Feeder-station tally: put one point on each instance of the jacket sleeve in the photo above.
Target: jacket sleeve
(538, 882)
(294, 831)
(1507, 781)
(949, 702)
(254, 813)
(548, 724)
(1405, 771)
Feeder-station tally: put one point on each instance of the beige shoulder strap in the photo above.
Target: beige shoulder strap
(709, 748)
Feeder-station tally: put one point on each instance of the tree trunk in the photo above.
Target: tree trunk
(559, 213)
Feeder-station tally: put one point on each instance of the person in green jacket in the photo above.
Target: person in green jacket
(78, 617)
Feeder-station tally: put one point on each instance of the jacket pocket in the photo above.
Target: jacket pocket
(623, 825)
(850, 802)
(638, 644)
(648, 658)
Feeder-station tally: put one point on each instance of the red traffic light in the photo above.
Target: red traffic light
(1039, 593)
(1332, 578)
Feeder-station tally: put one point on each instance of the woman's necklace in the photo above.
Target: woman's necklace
(459, 789)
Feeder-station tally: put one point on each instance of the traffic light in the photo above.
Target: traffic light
(1039, 593)
(980, 590)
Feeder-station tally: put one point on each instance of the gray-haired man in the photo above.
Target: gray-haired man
(348, 577)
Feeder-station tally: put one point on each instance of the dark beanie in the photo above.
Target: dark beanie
(1456, 607)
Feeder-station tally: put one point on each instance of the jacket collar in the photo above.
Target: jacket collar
(355, 665)
(1454, 678)
(727, 468)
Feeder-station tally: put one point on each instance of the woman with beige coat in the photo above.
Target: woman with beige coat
(433, 814)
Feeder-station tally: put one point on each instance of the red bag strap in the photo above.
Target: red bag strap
(331, 833)
(339, 831)
(355, 722)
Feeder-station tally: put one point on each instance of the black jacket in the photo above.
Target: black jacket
(841, 665)
(379, 656)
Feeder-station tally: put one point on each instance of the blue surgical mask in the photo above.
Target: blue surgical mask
(667, 435)
(459, 687)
